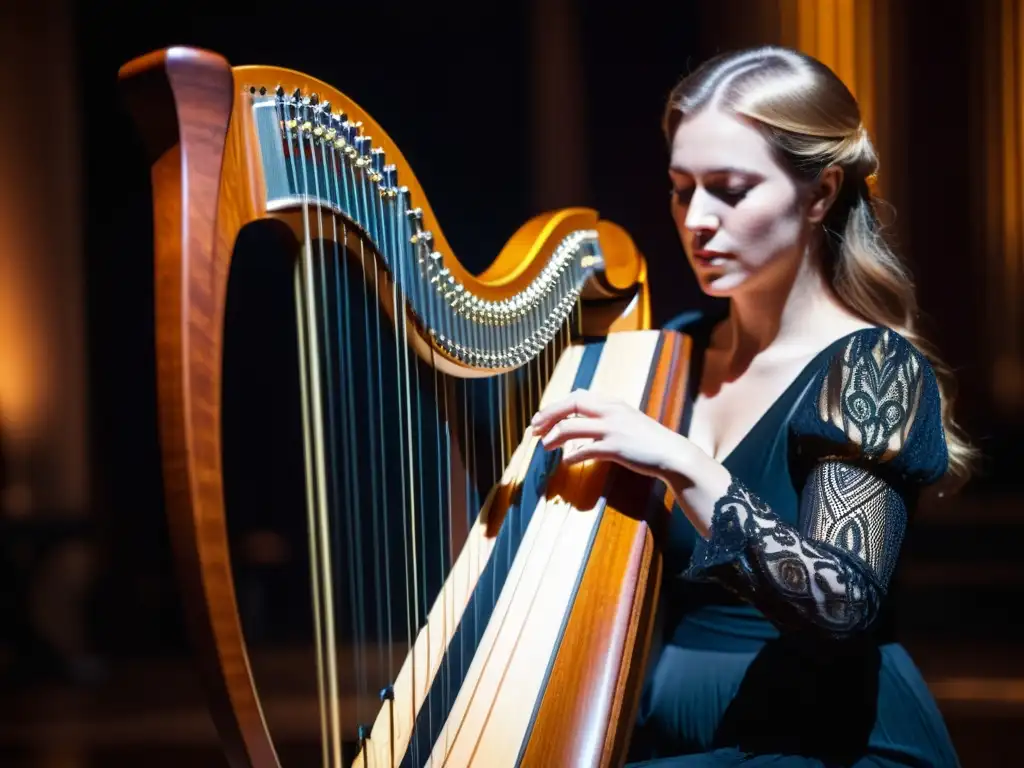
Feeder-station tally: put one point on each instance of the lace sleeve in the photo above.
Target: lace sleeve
(832, 572)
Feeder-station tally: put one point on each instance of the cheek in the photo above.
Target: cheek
(765, 229)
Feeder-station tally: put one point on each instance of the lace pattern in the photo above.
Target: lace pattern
(855, 511)
(793, 579)
(871, 393)
(832, 573)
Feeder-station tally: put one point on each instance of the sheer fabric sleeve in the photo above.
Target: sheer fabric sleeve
(876, 433)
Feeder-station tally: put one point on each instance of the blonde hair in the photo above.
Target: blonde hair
(812, 121)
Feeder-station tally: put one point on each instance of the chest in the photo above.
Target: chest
(727, 408)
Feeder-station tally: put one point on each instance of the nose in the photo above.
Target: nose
(700, 215)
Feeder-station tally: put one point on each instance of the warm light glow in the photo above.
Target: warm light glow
(42, 322)
(840, 34)
(1003, 233)
(24, 374)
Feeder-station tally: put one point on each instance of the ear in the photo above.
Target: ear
(824, 193)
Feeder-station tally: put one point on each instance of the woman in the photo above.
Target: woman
(816, 420)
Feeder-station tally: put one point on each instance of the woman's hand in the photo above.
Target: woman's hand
(619, 432)
(611, 430)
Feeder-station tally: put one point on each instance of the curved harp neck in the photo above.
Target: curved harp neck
(320, 156)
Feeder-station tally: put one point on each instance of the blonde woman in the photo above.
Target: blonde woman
(817, 417)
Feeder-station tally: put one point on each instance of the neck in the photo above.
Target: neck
(786, 313)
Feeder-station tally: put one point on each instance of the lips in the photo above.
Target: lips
(710, 258)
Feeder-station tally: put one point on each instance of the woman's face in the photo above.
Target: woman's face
(738, 212)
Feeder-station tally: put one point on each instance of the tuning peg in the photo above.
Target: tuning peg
(377, 158)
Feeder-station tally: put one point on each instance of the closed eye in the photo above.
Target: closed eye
(728, 195)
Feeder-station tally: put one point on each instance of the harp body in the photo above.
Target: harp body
(553, 672)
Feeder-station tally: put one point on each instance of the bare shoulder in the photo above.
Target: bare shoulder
(834, 324)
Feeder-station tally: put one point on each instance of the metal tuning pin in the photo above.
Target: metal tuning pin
(376, 165)
(425, 240)
(439, 275)
(314, 99)
(348, 133)
(416, 219)
(390, 180)
(362, 145)
(459, 298)
(337, 137)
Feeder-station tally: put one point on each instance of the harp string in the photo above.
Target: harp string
(336, 354)
(385, 641)
(317, 501)
(422, 543)
(356, 438)
(445, 504)
(385, 638)
(407, 471)
(388, 235)
(337, 373)
(545, 506)
(308, 390)
(313, 526)
(383, 603)
(340, 439)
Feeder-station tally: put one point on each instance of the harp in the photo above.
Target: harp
(473, 602)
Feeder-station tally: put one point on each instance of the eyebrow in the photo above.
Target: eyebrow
(721, 170)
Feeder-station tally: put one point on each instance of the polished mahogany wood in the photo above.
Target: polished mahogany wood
(186, 96)
(593, 687)
(206, 188)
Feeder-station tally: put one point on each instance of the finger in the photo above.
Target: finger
(598, 450)
(574, 429)
(580, 402)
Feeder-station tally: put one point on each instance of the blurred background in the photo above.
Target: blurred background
(504, 111)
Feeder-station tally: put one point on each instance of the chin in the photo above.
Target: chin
(724, 285)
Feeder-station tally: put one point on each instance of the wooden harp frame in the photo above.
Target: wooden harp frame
(206, 187)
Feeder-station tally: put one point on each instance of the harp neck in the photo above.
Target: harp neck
(318, 161)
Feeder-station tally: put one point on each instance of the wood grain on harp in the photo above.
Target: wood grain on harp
(520, 592)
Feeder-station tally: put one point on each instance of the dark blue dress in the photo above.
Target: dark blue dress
(775, 642)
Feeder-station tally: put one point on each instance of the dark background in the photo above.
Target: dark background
(460, 91)
(456, 99)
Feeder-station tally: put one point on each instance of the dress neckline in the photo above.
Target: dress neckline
(809, 368)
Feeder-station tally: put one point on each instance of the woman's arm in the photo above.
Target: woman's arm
(878, 413)
(828, 575)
